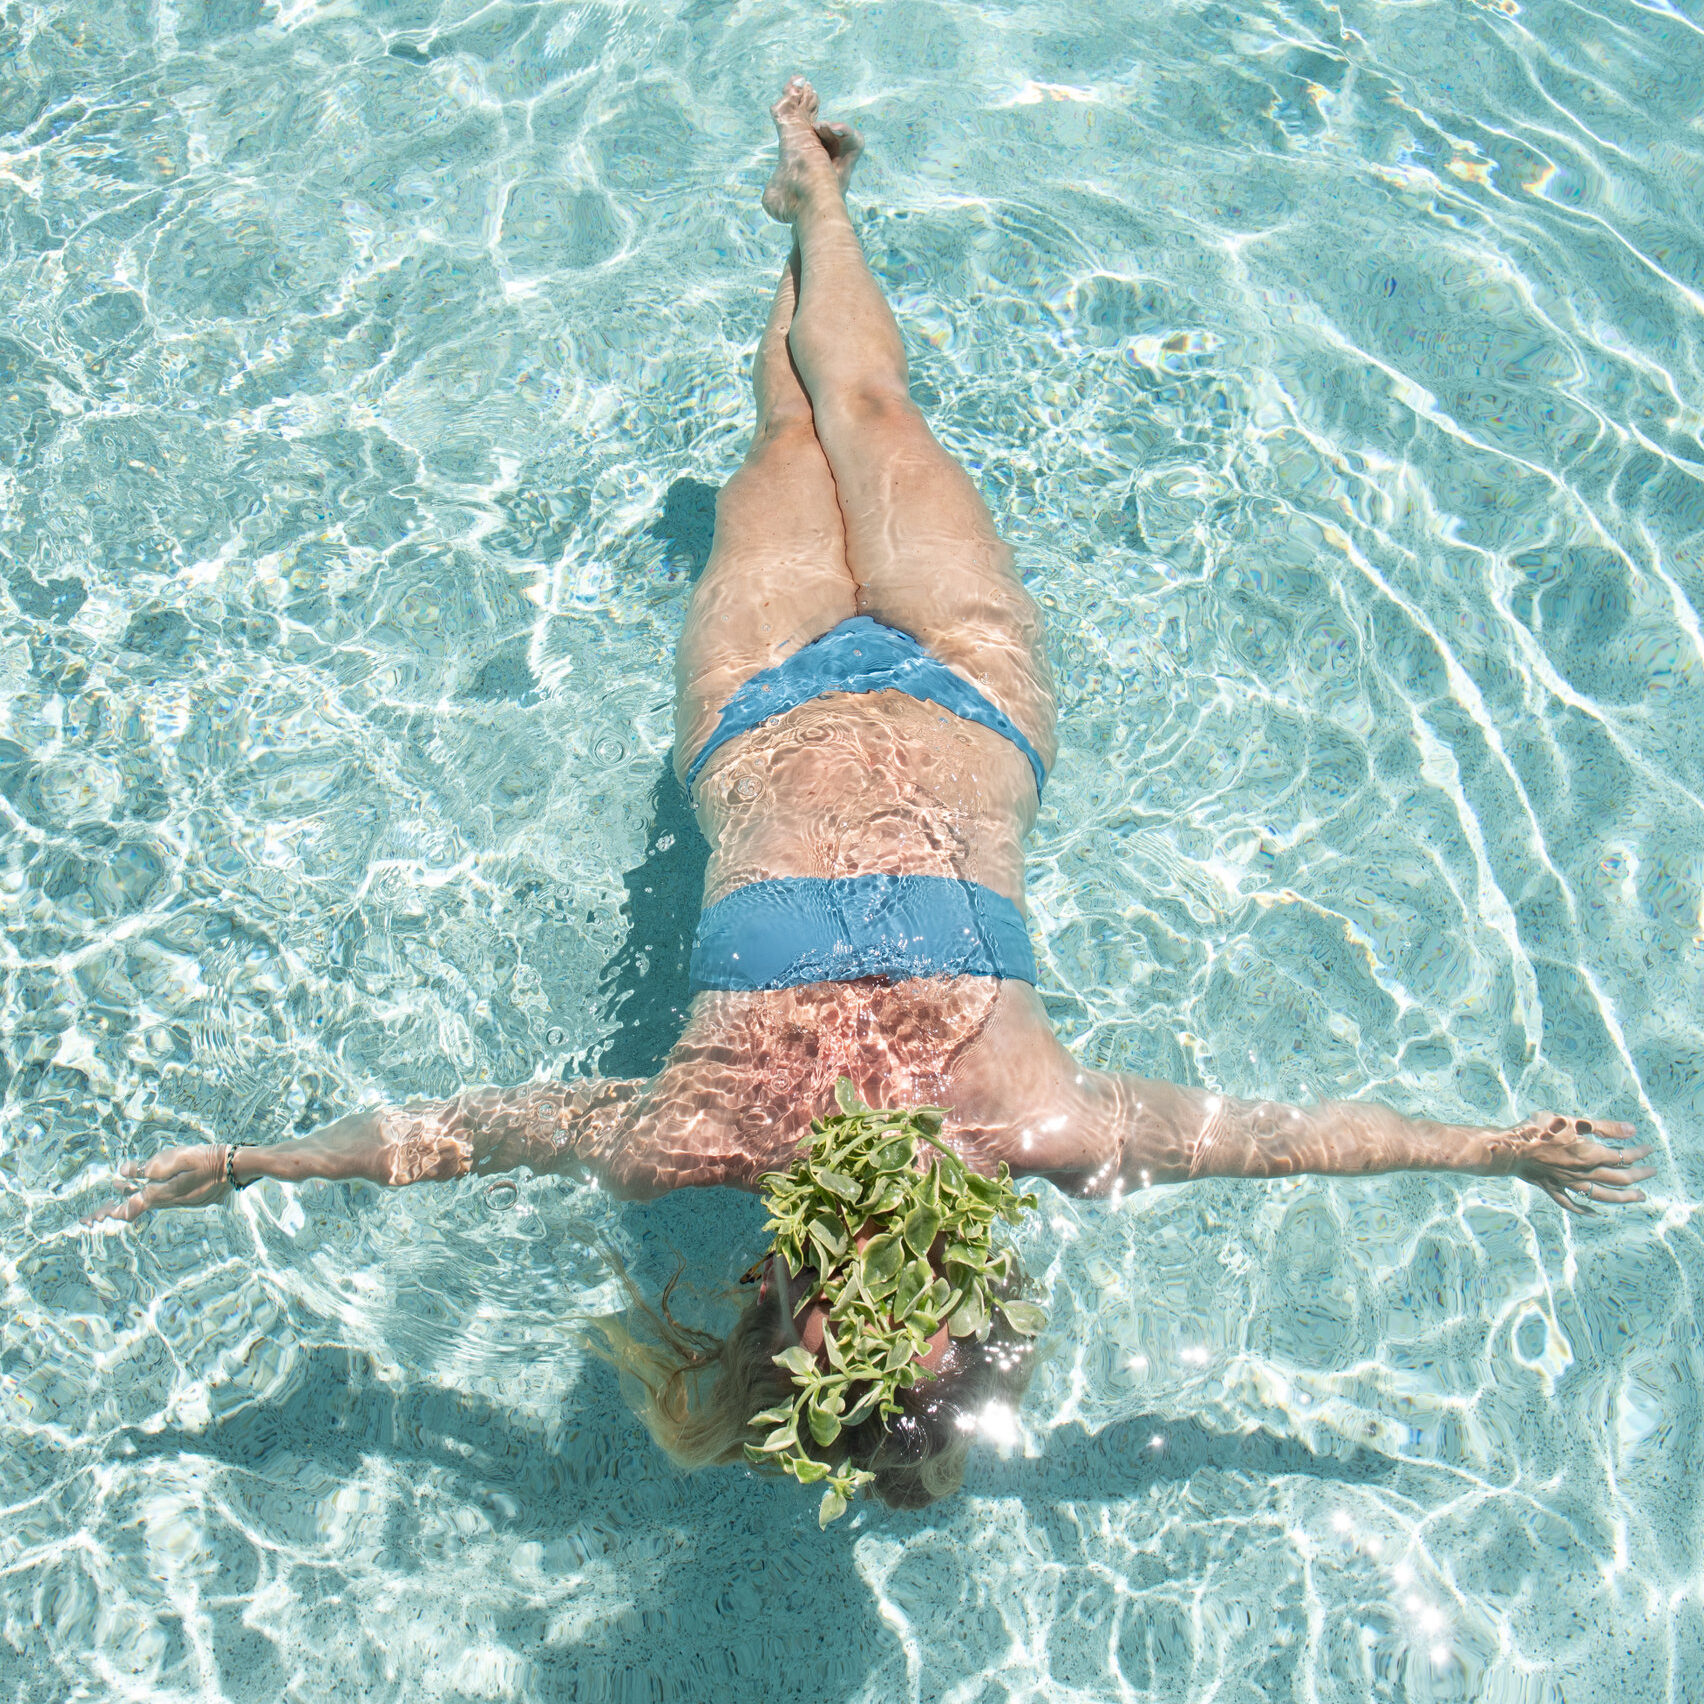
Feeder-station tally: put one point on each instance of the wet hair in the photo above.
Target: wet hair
(696, 1392)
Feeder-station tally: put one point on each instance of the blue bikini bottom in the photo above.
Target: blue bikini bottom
(799, 929)
(860, 655)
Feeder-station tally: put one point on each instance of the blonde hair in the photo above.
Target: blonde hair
(696, 1393)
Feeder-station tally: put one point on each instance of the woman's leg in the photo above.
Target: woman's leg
(777, 576)
(919, 541)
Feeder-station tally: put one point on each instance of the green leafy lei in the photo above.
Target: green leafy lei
(860, 1171)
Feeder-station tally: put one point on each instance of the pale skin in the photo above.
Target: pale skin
(846, 505)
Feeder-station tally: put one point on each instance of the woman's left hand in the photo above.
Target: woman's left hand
(1567, 1157)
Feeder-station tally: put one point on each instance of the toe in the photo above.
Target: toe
(798, 101)
(841, 140)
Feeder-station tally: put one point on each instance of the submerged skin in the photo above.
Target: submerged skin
(846, 505)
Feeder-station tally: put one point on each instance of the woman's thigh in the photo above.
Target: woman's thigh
(776, 580)
(922, 548)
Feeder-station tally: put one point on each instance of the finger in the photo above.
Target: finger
(1618, 1175)
(1591, 1155)
(1602, 1192)
(127, 1211)
(1583, 1157)
(1615, 1130)
(1566, 1202)
(1620, 1153)
(1610, 1128)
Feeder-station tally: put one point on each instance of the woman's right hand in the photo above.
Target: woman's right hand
(180, 1177)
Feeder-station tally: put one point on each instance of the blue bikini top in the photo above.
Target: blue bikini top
(799, 929)
(860, 655)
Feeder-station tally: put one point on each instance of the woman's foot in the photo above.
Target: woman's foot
(843, 145)
(813, 156)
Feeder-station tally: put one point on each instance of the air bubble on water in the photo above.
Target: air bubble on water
(609, 749)
(555, 1037)
(501, 1196)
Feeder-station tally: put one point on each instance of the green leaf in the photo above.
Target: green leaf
(882, 1257)
(888, 1199)
(798, 1360)
(1025, 1318)
(806, 1471)
(963, 1263)
(829, 1234)
(832, 1508)
(836, 1355)
(782, 1438)
(779, 1415)
(846, 1098)
(863, 1407)
(900, 1353)
(825, 1428)
(921, 1225)
(845, 1187)
(969, 1317)
(914, 1281)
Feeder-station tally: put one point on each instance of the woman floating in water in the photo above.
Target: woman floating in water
(865, 716)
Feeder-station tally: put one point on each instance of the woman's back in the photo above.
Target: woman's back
(849, 785)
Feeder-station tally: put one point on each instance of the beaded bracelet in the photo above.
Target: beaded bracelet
(231, 1164)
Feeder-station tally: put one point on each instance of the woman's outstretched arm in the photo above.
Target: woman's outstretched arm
(549, 1127)
(1022, 1098)
(1162, 1133)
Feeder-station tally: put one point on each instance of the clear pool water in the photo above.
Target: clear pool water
(366, 374)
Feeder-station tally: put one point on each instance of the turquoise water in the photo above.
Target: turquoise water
(368, 371)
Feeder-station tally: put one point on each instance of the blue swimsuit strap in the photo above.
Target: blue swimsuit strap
(860, 655)
(799, 929)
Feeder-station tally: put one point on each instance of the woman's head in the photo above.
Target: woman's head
(886, 1324)
(696, 1394)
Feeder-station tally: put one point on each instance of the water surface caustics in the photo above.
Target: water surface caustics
(368, 370)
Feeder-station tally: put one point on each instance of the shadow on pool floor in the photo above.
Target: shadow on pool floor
(736, 1584)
